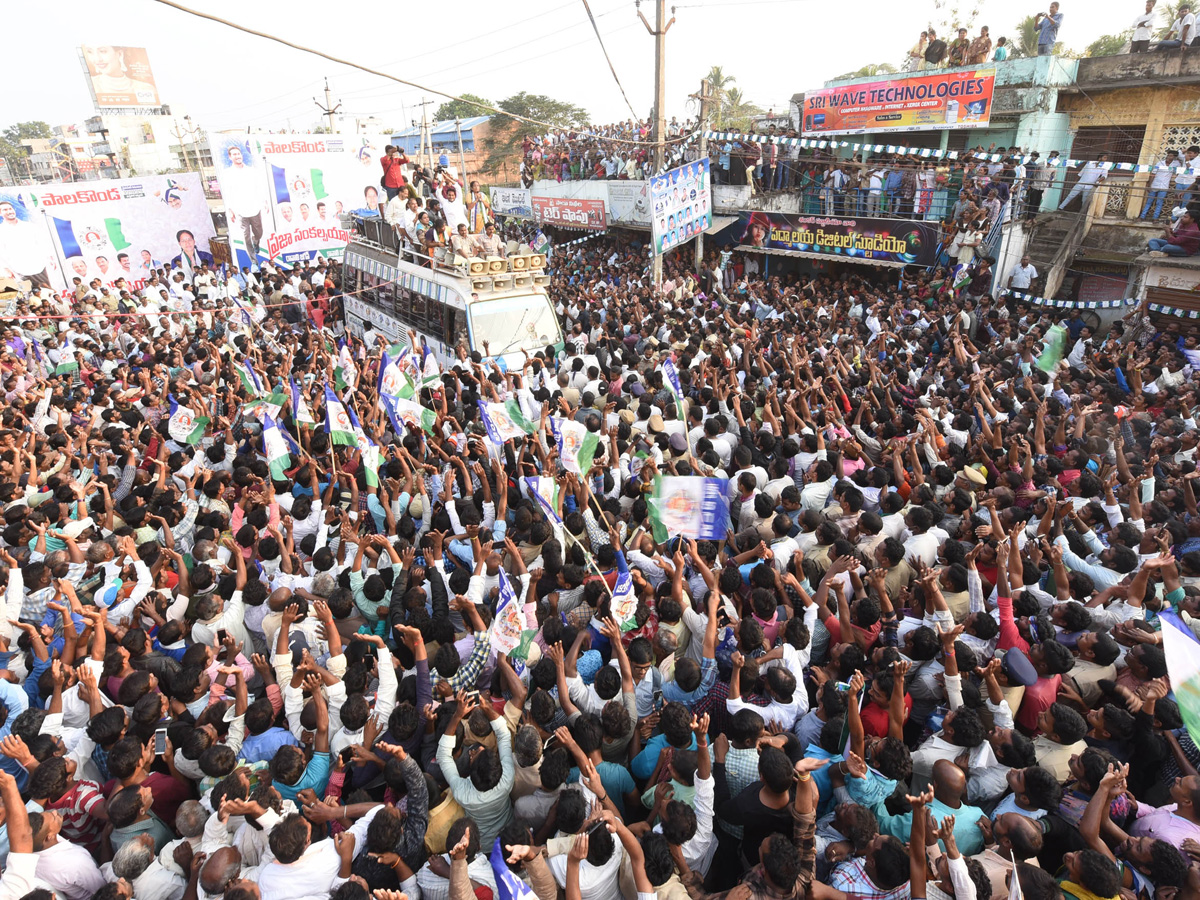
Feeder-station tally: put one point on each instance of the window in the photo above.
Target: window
(1122, 144)
(417, 310)
(434, 326)
(1179, 137)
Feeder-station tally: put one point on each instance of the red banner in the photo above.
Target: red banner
(587, 214)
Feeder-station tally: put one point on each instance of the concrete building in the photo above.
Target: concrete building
(478, 140)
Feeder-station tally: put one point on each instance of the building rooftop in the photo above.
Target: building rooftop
(442, 127)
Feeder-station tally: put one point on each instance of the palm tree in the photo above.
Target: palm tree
(738, 111)
(868, 70)
(718, 85)
(1026, 41)
(1170, 14)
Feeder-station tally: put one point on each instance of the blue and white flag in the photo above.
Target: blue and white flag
(300, 411)
(545, 489)
(508, 885)
(624, 602)
(672, 376)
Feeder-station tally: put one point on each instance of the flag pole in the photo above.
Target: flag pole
(588, 556)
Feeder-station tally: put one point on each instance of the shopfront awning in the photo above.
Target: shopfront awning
(826, 257)
(720, 223)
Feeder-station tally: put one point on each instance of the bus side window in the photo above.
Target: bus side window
(434, 319)
(417, 315)
(403, 300)
(456, 326)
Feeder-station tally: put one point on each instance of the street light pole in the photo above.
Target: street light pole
(659, 31)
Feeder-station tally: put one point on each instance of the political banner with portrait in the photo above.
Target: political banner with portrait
(285, 195)
(681, 201)
(894, 242)
(119, 77)
(51, 233)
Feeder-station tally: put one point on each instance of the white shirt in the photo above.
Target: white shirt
(70, 870)
(1143, 26)
(315, 874)
(1021, 277)
(1187, 23)
(699, 850)
(595, 882)
(1161, 179)
(1092, 172)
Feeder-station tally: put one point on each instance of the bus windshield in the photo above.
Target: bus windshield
(511, 324)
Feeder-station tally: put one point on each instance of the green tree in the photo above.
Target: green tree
(14, 135)
(1169, 13)
(868, 70)
(718, 85)
(461, 109)
(1026, 41)
(1109, 44)
(736, 112)
(509, 132)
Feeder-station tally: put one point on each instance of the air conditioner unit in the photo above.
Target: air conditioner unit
(477, 266)
(537, 260)
(518, 263)
(497, 264)
(541, 280)
(522, 281)
(481, 284)
(502, 282)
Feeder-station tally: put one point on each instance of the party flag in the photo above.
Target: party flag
(509, 621)
(624, 602)
(300, 411)
(337, 422)
(504, 421)
(184, 426)
(278, 458)
(576, 445)
(1183, 667)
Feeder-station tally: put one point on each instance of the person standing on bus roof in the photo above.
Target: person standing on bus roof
(452, 206)
(489, 243)
(393, 164)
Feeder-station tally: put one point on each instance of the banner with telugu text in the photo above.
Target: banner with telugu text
(891, 241)
(285, 195)
(126, 228)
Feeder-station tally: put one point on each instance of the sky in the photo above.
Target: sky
(227, 79)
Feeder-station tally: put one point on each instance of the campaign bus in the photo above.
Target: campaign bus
(448, 302)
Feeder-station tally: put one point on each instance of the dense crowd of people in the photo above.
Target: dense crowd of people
(621, 151)
(922, 659)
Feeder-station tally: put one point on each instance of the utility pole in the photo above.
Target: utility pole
(703, 153)
(462, 162)
(328, 109)
(192, 132)
(179, 136)
(659, 32)
(426, 135)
